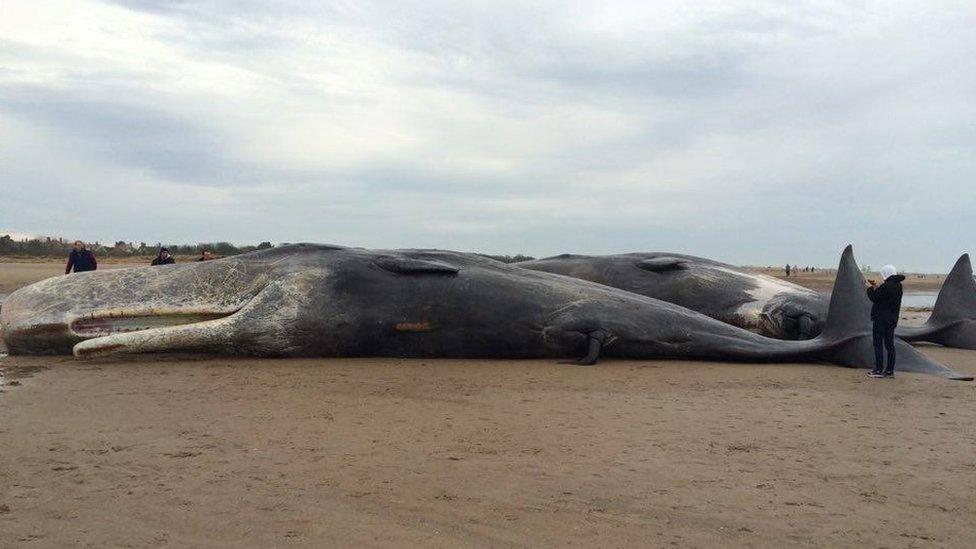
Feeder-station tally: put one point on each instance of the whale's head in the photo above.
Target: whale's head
(794, 315)
(52, 316)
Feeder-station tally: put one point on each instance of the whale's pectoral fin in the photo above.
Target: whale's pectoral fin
(595, 341)
(662, 264)
(411, 266)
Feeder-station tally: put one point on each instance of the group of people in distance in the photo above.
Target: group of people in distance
(885, 299)
(82, 259)
(796, 269)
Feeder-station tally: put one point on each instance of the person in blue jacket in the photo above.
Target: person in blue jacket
(80, 259)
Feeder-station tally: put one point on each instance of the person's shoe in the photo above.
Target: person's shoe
(875, 374)
(889, 374)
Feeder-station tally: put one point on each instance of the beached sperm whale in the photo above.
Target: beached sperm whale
(310, 300)
(756, 302)
(953, 319)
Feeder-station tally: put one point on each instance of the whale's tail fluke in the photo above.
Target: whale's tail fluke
(847, 338)
(953, 319)
(957, 298)
(849, 311)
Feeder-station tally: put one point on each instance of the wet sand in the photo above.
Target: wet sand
(178, 451)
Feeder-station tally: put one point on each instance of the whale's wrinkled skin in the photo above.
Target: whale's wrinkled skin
(312, 300)
(756, 302)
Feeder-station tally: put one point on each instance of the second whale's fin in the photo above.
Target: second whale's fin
(957, 297)
(847, 339)
(953, 320)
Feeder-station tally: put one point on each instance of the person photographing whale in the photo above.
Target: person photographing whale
(885, 308)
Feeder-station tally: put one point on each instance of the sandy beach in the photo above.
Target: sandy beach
(180, 451)
(17, 274)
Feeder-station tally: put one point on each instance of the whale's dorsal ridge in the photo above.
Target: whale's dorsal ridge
(663, 263)
(411, 266)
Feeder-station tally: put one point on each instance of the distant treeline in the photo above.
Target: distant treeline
(59, 247)
(517, 258)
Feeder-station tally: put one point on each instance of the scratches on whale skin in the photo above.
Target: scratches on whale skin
(90, 352)
(575, 304)
(413, 327)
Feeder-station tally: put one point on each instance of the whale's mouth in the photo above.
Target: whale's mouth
(119, 323)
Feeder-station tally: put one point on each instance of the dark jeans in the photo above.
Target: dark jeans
(884, 334)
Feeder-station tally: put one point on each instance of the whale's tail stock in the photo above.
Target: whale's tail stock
(847, 339)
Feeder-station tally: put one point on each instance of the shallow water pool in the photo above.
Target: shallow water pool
(919, 299)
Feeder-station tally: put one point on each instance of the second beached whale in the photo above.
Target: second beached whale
(758, 302)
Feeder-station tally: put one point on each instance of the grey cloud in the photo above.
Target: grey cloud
(754, 133)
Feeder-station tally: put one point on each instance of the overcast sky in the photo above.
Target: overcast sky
(753, 132)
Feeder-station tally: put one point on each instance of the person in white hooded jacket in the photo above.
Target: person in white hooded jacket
(885, 309)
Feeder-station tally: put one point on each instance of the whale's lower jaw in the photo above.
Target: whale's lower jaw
(53, 338)
(99, 326)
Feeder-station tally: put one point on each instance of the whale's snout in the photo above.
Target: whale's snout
(54, 315)
(51, 338)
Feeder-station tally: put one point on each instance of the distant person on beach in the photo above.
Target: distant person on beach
(163, 258)
(80, 259)
(787, 270)
(207, 255)
(885, 308)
